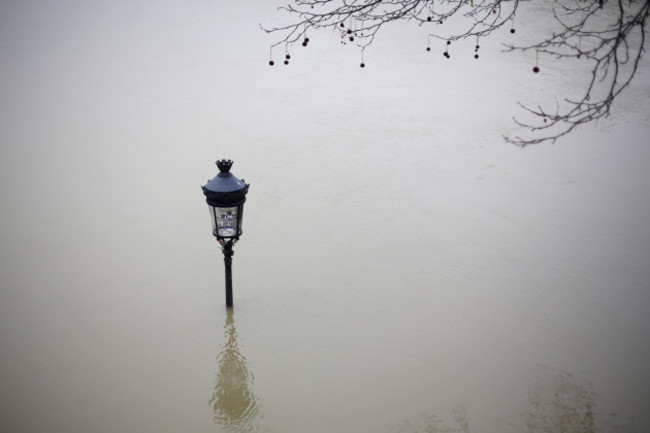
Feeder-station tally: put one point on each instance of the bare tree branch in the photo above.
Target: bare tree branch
(613, 53)
(608, 34)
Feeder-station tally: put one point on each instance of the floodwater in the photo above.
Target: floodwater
(402, 269)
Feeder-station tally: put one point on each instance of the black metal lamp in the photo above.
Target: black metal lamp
(226, 195)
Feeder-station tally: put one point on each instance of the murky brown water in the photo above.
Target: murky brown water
(401, 268)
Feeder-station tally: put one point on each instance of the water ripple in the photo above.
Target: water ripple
(235, 406)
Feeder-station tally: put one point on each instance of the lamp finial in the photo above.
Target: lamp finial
(224, 165)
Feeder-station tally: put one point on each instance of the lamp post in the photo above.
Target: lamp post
(225, 195)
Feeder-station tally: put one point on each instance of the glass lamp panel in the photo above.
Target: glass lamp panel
(213, 219)
(226, 218)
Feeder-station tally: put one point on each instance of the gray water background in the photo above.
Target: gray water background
(402, 269)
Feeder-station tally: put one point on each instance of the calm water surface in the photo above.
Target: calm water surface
(401, 269)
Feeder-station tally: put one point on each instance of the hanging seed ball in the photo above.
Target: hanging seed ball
(429, 18)
(271, 63)
(545, 120)
(512, 30)
(476, 56)
(304, 44)
(349, 31)
(363, 65)
(306, 40)
(286, 62)
(448, 42)
(351, 38)
(287, 56)
(535, 69)
(428, 48)
(342, 25)
(478, 46)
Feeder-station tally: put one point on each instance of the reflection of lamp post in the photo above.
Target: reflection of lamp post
(225, 195)
(233, 402)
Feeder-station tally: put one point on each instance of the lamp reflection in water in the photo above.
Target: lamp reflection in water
(235, 406)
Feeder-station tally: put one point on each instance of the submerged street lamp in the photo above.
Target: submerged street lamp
(225, 195)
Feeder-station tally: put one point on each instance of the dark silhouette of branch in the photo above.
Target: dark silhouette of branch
(608, 35)
(611, 38)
